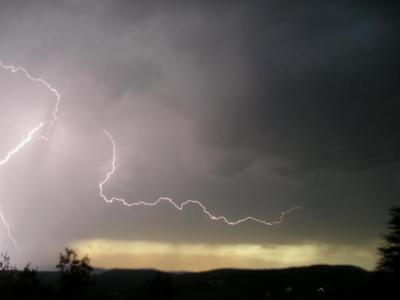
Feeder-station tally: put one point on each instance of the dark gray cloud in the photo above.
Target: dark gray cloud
(251, 107)
(312, 83)
(320, 88)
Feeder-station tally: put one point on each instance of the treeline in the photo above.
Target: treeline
(74, 280)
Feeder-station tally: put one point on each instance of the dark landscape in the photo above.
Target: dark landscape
(313, 282)
(199, 149)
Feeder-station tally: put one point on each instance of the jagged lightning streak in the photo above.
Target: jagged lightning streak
(8, 228)
(5, 160)
(31, 134)
(50, 124)
(183, 204)
(29, 138)
(54, 114)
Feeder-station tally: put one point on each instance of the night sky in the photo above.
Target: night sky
(251, 107)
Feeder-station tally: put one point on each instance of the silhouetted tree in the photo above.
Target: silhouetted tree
(19, 284)
(390, 251)
(74, 274)
(7, 274)
(5, 263)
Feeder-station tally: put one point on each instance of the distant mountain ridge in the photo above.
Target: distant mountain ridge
(303, 282)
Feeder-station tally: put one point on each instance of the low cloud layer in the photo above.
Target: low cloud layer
(198, 257)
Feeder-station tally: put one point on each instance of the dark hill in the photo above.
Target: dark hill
(314, 282)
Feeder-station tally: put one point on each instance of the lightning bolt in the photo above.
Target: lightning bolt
(32, 132)
(8, 227)
(181, 206)
(48, 126)
(10, 154)
(4, 161)
(54, 114)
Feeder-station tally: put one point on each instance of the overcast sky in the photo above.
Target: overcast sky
(251, 107)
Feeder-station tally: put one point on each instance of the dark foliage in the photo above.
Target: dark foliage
(390, 251)
(75, 274)
(17, 284)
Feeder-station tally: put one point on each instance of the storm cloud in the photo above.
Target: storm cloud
(250, 107)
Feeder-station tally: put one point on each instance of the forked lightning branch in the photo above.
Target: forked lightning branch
(43, 131)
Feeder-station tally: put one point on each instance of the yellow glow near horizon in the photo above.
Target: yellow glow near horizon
(197, 257)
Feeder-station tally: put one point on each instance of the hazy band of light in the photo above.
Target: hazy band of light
(185, 256)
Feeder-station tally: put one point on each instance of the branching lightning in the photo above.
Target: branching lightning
(8, 228)
(43, 131)
(213, 217)
(34, 131)
(54, 114)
